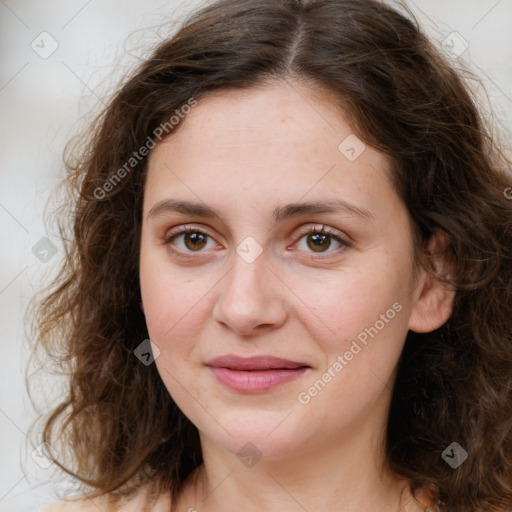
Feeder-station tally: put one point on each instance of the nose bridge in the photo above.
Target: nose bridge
(249, 297)
(250, 275)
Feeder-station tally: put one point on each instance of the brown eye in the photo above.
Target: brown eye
(322, 241)
(195, 240)
(318, 242)
(189, 240)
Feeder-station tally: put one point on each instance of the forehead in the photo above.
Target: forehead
(248, 119)
(276, 143)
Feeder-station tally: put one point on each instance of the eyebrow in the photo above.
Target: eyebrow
(279, 214)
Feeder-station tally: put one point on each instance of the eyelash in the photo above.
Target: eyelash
(312, 230)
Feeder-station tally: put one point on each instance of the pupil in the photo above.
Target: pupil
(318, 239)
(197, 240)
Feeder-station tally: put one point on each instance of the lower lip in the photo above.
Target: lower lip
(257, 381)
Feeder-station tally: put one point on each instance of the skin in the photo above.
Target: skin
(244, 154)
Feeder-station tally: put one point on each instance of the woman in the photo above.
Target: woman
(299, 205)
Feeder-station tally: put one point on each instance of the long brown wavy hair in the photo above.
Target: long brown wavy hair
(117, 424)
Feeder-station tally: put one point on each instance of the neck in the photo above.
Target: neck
(348, 475)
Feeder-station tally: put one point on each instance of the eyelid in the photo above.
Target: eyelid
(322, 228)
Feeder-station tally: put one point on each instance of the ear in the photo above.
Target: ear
(433, 298)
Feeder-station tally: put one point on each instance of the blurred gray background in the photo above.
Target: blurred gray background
(57, 61)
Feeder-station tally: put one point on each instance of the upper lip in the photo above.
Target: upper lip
(263, 362)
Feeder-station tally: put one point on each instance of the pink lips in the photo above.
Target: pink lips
(255, 374)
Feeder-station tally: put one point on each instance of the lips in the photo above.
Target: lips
(255, 374)
(255, 363)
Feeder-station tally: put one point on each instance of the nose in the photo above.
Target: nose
(251, 299)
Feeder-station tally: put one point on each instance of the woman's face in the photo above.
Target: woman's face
(249, 174)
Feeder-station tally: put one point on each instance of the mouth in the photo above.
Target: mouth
(255, 374)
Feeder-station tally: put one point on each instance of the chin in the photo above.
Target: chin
(262, 432)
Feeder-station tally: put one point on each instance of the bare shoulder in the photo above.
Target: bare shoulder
(78, 504)
(103, 503)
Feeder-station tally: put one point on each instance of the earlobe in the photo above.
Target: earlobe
(434, 297)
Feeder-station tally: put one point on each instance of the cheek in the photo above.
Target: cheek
(174, 308)
(368, 314)
(172, 314)
(342, 306)
(172, 295)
